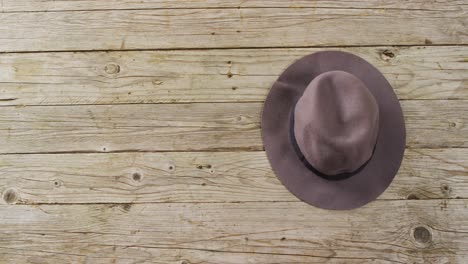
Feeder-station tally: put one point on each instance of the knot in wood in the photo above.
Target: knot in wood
(422, 235)
(10, 196)
(112, 68)
(136, 176)
(412, 196)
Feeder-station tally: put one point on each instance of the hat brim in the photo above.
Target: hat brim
(375, 177)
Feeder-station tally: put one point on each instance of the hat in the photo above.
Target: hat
(333, 130)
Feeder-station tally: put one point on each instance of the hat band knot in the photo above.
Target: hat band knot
(300, 155)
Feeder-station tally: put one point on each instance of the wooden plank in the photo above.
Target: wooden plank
(209, 76)
(109, 128)
(228, 28)
(61, 5)
(236, 233)
(200, 177)
(189, 127)
(447, 117)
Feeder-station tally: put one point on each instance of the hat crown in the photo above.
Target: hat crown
(336, 123)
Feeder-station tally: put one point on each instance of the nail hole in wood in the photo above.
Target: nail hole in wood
(229, 62)
(422, 235)
(445, 189)
(171, 167)
(283, 239)
(212, 33)
(229, 75)
(234, 88)
(104, 149)
(126, 207)
(10, 196)
(387, 55)
(203, 184)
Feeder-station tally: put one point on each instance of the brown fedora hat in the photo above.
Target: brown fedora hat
(333, 130)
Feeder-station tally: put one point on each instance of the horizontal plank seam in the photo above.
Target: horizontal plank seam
(260, 253)
(175, 103)
(221, 202)
(201, 249)
(243, 48)
(228, 8)
(196, 151)
(213, 150)
(43, 251)
(184, 103)
(233, 149)
(148, 103)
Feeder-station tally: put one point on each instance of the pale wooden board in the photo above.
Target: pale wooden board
(60, 5)
(281, 232)
(209, 76)
(186, 127)
(224, 28)
(200, 177)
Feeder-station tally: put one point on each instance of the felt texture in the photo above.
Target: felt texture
(347, 119)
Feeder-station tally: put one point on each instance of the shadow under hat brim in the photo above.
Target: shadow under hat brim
(379, 172)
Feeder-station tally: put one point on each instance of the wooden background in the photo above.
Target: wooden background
(129, 131)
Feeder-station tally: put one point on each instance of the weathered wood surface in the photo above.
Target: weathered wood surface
(209, 76)
(61, 5)
(200, 177)
(256, 232)
(189, 127)
(229, 28)
(130, 132)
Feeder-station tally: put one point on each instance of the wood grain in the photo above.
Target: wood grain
(61, 5)
(130, 132)
(228, 28)
(189, 127)
(209, 76)
(200, 177)
(381, 232)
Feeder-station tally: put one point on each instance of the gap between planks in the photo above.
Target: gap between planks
(240, 48)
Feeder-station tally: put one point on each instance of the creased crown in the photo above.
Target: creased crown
(336, 123)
